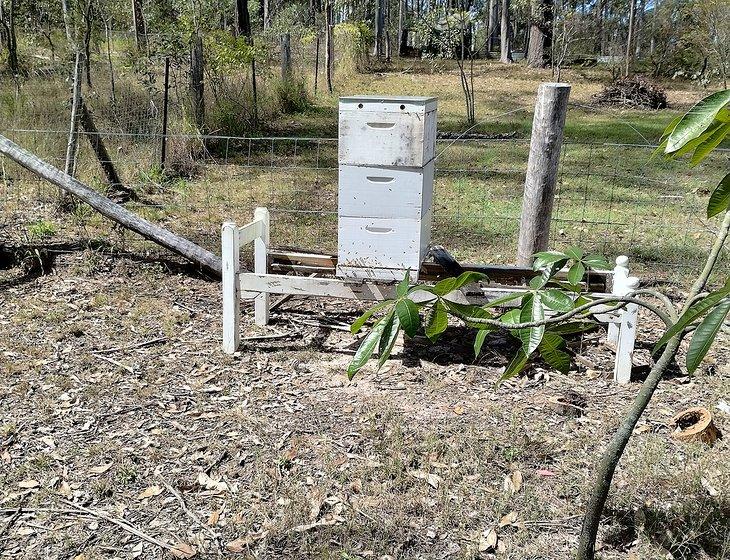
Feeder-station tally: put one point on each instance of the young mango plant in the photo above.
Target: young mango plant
(551, 307)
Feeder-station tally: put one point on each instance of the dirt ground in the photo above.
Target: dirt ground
(125, 432)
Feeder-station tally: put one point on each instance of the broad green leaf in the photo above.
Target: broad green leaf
(512, 317)
(575, 253)
(369, 343)
(438, 320)
(516, 365)
(697, 310)
(705, 334)
(552, 350)
(387, 340)
(576, 273)
(665, 136)
(697, 119)
(362, 319)
(532, 311)
(557, 300)
(573, 327)
(463, 310)
(710, 143)
(551, 270)
(596, 262)
(546, 258)
(502, 300)
(693, 144)
(537, 282)
(479, 342)
(403, 285)
(410, 320)
(448, 285)
(720, 198)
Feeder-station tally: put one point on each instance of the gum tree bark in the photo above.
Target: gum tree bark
(506, 38)
(612, 454)
(541, 35)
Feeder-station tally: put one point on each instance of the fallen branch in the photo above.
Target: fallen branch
(194, 253)
(187, 511)
(121, 524)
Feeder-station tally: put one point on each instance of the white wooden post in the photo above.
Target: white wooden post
(231, 267)
(260, 256)
(626, 336)
(620, 274)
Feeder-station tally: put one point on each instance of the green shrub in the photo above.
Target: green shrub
(41, 229)
(292, 95)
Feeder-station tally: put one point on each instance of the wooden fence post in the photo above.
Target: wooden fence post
(230, 269)
(542, 170)
(260, 266)
(285, 57)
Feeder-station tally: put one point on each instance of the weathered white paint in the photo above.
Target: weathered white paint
(386, 150)
(382, 243)
(260, 256)
(385, 192)
(620, 275)
(390, 131)
(626, 337)
(248, 233)
(231, 266)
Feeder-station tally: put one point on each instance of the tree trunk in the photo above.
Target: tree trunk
(316, 63)
(329, 46)
(203, 258)
(267, 13)
(68, 23)
(401, 22)
(8, 36)
(108, 33)
(88, 17)
(630, 39)
(379, 24)
(491, 26)
(506, 35)
(117, 191)
(140, 32)
(600, 7)
(197, 88)
(540, 34)
(286, 71)
(243, 20)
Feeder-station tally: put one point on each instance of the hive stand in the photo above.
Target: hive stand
(259, 284)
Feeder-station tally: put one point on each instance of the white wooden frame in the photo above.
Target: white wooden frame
(259, 284)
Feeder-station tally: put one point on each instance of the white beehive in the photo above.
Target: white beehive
(386, 151)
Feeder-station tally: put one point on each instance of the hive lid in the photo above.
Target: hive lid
(388, 103)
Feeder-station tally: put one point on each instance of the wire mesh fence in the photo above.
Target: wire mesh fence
(611, 198)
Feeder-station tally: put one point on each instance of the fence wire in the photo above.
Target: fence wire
(611, 198)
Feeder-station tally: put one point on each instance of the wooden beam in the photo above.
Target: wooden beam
(205, 259)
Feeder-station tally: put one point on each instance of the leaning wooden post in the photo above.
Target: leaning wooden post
(286, 57)
(231, 268)
(202, 257)
(620, 276)
(626, 337)
(260, 258)
(542, 170)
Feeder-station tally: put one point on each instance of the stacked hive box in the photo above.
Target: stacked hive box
(386, 150)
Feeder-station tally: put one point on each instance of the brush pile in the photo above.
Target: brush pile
(633, 92)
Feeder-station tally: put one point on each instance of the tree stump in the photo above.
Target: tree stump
(695, 424)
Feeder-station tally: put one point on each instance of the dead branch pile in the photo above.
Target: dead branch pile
(633, 92)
